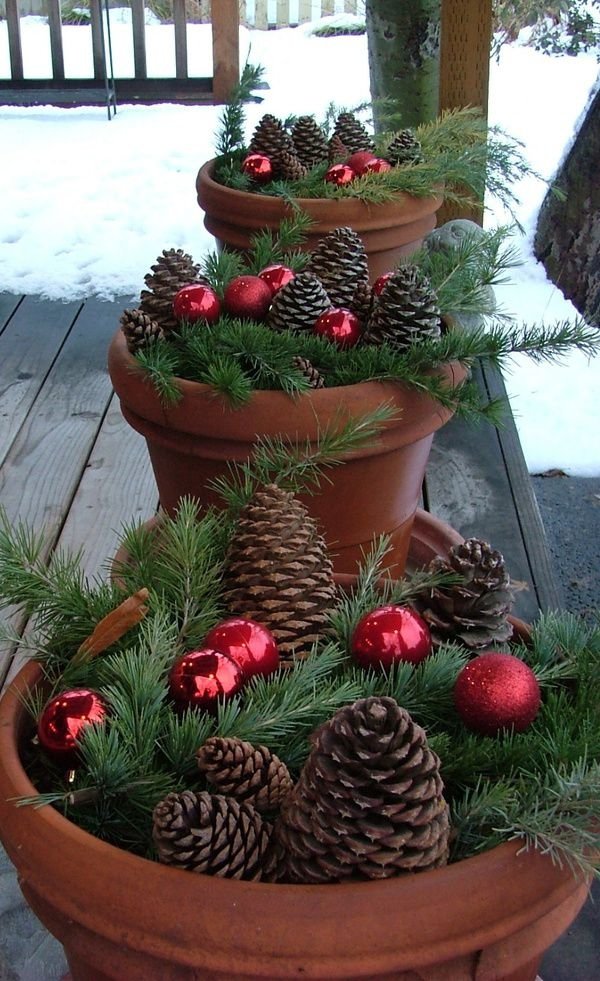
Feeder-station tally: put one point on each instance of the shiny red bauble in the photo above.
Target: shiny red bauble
(497, 691)
(275, 277)
(247, 296)
(64, 720)
(258, 167)
(340, 326)
(196, 302)
(381, 281)
(376, 166)
(249, 644)
(340, 175)
(388, 635)
(201, 679)
(359, 160)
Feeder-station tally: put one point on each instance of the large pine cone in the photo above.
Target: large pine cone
(474, 611)
(249, 773)
(368, 803)
(340, 262)
(406, 311)
(404, 148)
(173, 270)
(212, 834)
(279, 573)
(298, 304)
(139, 330)
(309, 141)
(352, 133)
(270, 138)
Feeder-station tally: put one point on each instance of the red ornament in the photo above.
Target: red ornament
(497, 691)
(376, 166)
(340, 175)
(249, 644)
(388, 635)
(380, 282)
(64, 719)
(247, 296)
(359, 160)
(196, 302)
(340, 326)
(200, 679)
(275, 277)
(259, 167)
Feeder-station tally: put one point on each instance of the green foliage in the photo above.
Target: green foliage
(557, 26)
(231, 129)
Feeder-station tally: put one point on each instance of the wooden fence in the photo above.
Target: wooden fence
(260, 14)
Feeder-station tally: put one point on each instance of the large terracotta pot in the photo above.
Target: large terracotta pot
(388, 231)
(375, 492)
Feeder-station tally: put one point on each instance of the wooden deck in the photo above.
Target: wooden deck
(71, 465)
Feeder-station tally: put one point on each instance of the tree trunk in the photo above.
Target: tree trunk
(567, 239)
(404, 57)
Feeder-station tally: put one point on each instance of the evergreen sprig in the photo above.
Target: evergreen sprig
(231, 129)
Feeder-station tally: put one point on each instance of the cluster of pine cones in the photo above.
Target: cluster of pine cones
(293, 154)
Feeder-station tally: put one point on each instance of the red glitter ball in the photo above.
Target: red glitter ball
(340, 175)
(381, 281)
(259, 167)
(249, 644)
(376, 166)
(359, 160)
(247, 296)
(388, 635)
(340, 326)
(196, 302)
(200, 679)
(497, 691)
(275, 277)
(64, 719)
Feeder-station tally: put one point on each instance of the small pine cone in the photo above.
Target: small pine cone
(306, 367)
(369, 801)
(362, 302)
(173, 270)
(245, 772)
(340, 262)
(270, 138)
(278, 571)
(298, 304)
(309, 141)
(287, 165)
(337, 151)
(140, 330)
(212, 834)
(404, 149)
(406, 311)
(474, 611)
(352, 133)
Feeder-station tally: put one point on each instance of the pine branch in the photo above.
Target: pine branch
(230, 135)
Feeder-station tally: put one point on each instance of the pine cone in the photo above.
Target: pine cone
(368, 803)
(475, 610)
(404, 149)
(139, 329)
(173, 270)
(362, 302)
(298, 304)
(337, 151)
(245, 772)
(340, 262)
(279, 573)
(306, 367)
(270, 138)
(309, 141)
(212, 834)
(287, 165)
(352, 133)
(406, 310)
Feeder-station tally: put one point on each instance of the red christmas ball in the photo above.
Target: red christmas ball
(247, 296)
(196, 302)
(64, 719)
(259, 167)
(380, 282)
(359, 160)
(340, 326)
(249, 644)
(200, 679)
(388, 635)
(340, 175)
(376, 166)
(275, 277)
(497, 691)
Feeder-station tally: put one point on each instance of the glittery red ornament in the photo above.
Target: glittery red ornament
(196, 302)
(340, 326)
(64, 719)
(340, 175)
(376, 166)
(259, 167)
(497, 691)
(247, 296)
(200, 679)
(380, 282)
(249, 644)
(275, 277)
(388, 635)
(359, 160)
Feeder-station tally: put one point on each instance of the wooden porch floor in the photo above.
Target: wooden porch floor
(70, 464)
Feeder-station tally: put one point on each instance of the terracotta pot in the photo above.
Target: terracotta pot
(375, 492)
(388, 230)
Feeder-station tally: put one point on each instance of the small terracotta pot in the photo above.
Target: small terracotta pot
(388, 231)
(375, 492)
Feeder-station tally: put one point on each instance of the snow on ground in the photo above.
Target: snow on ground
(88, 204)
